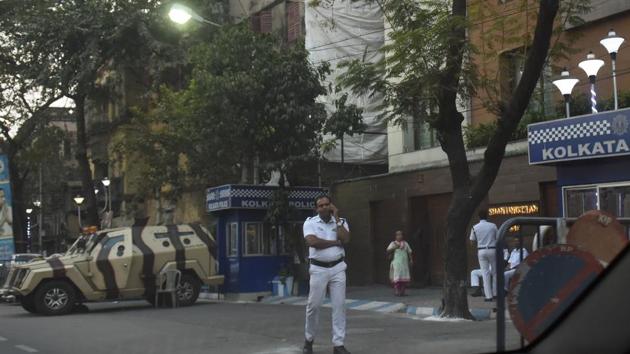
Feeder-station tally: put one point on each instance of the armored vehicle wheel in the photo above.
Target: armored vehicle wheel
(28, 303)
(189, 290)
(55, 298)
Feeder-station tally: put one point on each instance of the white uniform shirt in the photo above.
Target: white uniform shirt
(326, 231)
(485, 233)
(515, 257)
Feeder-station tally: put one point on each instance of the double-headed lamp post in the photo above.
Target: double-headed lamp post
(79, 200)
(612, 43)
(565, 84)
(591, 66)
(181, 14)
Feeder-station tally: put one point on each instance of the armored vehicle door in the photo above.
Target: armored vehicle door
(112, 261)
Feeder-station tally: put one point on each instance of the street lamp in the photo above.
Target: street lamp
(612, 43)
(40, 226)
(108, 200)
(181, 14)
(79, 200)
(565, 84)
(591, 66)
(28, 227)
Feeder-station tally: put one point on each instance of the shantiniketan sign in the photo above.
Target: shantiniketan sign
(235, 196)
(585, 137)
(514, 209)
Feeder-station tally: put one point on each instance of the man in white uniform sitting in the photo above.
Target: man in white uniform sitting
(513, 262)
(325, 234)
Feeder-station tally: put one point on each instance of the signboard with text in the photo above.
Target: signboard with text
(7, 246)
(234, 196)
(585, 137)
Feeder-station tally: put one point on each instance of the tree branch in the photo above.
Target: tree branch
(514, 109)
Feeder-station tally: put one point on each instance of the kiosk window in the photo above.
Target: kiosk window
(579, 201)
(613, 198)
(257, 240)
(232, 239)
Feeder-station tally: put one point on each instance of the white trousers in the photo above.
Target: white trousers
(487, 261)
(475, 277)
(335, 280)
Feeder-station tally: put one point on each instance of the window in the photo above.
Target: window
(261, 22)
(231, 239)
(613, 198)
(258, 240)
(423, 136)
(511, 64)
(294, 21)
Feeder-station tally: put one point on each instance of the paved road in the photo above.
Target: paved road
(226, 328)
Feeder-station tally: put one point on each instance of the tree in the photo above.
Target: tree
(23, 109)
(249, 98)
(74, 44)
(430, 65)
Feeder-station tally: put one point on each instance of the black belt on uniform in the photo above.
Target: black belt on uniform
(486, 248)
(325, 264)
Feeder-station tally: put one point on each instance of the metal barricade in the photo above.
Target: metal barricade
(561, 226)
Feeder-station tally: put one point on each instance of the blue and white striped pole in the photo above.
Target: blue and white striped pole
(591, 66)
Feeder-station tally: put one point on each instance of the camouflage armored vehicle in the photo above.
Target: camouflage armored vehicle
(118, 264)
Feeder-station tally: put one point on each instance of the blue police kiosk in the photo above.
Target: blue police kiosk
(591, 154)
(252, 252)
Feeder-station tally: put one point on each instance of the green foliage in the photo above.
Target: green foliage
(248, 96)
(415, 60)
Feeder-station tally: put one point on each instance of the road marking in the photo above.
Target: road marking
(26, 348)
(2, 339)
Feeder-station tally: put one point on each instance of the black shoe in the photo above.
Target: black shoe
(308, 347)
(340, 350)
(488, 300)
(477, 292)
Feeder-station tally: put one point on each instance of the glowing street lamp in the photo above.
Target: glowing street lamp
(565, 84)
(182, 14)
(591, 66)
(79, 200)
(612, 43)
(108, 196)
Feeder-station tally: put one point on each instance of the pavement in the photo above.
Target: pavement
(422, 302)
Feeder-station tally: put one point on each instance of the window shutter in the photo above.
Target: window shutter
(294, 21)
(265, 21)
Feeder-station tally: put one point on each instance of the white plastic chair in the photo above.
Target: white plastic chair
(168, 283)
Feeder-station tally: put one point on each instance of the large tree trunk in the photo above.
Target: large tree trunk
(84, 165)
(468, 193)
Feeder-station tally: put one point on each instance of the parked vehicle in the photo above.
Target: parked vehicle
(117, 264)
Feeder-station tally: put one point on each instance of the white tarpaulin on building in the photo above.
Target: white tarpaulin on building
(338, 30)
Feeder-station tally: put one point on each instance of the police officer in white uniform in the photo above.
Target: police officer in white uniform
(485, 233)
(325, 234)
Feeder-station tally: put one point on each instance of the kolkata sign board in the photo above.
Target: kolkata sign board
(591, 136)
(234, 196)
(7, 245)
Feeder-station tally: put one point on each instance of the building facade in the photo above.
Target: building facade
(414, 196)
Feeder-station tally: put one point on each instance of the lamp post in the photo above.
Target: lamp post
(565, 84)
(181, 14)
(28, 228)
(612, 43)
(79, 200)
(591, 66)
(108, 200)
(40, 228)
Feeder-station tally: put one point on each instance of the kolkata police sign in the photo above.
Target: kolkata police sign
(585, 137)
(233, 196)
